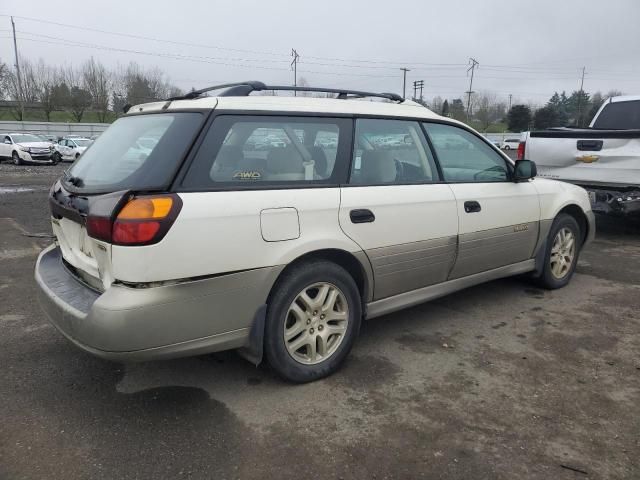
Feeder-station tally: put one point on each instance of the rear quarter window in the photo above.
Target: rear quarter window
(244, 151)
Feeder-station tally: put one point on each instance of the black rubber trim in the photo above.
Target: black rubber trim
(585, 133)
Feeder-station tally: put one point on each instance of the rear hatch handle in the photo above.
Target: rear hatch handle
(590, 145)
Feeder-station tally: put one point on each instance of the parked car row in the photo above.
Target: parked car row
(22, 148)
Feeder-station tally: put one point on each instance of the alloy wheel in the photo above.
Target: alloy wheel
(563, 252)
(316, 323)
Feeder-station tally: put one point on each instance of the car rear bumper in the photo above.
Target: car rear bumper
(136, 324)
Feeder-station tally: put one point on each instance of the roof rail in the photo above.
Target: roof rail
(243, 89)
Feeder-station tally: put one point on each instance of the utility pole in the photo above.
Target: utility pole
(15, 50)
(404, 81)
(474, 63)
(418, 85)
(580, 99)
(294, 66)
(510, 96)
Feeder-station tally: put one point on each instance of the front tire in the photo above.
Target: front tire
(561, 254)
(56, 158)
(16, 158)
(507, 147)
(313, 319)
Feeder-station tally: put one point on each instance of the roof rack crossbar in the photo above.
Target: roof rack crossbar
(243, 89)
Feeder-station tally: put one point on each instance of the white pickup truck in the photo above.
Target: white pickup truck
(604, 158)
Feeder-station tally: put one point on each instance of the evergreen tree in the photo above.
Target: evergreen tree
(518, 118)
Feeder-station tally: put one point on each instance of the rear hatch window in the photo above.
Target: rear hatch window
(619, 116)
(140, 152)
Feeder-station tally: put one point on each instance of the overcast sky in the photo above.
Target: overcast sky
(525, 48)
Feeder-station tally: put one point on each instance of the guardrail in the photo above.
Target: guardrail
(59, 129)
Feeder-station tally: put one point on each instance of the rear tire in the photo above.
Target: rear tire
(313, 319)
(16, 158)
(561, 253)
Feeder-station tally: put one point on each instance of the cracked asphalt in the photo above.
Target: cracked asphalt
(499, 381)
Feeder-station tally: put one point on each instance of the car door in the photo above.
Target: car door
(5, 147)
(498, 218)
(396, 209)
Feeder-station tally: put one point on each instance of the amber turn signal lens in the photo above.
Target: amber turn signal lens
(145, 208)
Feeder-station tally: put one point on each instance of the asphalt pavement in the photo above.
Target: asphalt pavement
(499, 381)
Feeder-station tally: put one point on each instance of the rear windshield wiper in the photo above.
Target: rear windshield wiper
(75, 181)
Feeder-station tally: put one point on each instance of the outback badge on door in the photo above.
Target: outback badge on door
(521, 228)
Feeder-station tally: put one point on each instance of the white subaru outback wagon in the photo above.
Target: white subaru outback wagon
(274, 225)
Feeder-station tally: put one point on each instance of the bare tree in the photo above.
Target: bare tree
(46, 78)
(30, 92)
(4, 79)
(435, 105)
(485, 108)
(79, 97)
(98, 82)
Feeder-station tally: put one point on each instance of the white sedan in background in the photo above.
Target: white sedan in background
(70, 148)
(26, 148)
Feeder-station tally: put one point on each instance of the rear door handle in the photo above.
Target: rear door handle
(362, 215)
(472, 206)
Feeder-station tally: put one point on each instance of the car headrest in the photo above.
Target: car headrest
(284, 160)
(377, 167)
(229, 157)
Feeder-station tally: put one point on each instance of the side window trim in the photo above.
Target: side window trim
(508, 165)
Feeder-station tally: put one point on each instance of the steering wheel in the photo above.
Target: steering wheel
(495, 168)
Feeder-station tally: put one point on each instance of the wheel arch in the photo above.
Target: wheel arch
(578, 214)
(356, 264)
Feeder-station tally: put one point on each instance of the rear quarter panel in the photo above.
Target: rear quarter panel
(219, 232)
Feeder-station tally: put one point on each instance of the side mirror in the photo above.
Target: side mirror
(7, 141)
(525, 169)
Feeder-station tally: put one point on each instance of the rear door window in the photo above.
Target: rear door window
(391, 152)
(254, 151)
(138, 152)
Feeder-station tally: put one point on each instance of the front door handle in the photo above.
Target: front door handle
(472, 206)
(362, 215)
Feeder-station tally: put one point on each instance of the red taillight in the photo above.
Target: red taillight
(140, 221)
(99, 228)
(127, 233)
(520, 155)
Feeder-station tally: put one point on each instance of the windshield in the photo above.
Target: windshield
(25, 138)
(82, 142)
(619, 116)
(117, 161)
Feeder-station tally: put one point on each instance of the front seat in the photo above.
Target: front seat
(320, 159)
(226, 163)
(378, 166)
